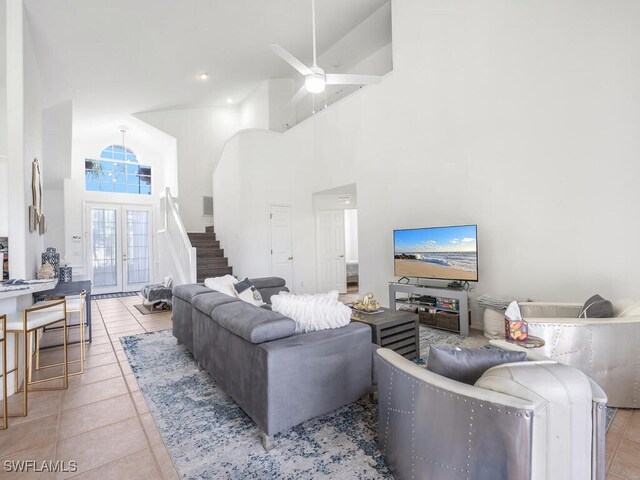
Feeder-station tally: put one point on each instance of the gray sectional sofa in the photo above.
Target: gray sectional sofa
(279, 378)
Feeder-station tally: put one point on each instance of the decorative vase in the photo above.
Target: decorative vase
(52, 257)
(65, 274)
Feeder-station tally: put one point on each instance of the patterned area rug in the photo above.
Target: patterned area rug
(209, 437)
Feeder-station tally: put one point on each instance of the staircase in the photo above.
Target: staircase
(211, 261)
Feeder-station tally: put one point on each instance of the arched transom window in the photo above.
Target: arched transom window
(117, 170)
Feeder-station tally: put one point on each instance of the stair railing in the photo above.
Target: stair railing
(182, 250)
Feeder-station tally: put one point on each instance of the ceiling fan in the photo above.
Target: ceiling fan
(315, 79)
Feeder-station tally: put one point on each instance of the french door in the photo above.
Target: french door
(119, 249)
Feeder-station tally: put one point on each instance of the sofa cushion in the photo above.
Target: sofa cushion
(268, 282)
(209, 301)
(254, 324)
(596, 307)
(187, 292)
(467, 365)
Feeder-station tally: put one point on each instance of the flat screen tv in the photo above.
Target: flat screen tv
(443, 253)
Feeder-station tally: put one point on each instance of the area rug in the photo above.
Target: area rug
(209, 437)
(143, 309)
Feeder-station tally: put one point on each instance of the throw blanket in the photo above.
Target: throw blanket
(312, 312)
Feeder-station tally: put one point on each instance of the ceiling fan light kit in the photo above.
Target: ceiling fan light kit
(315, 80)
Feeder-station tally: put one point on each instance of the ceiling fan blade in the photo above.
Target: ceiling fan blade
(297, 97)
(290, 59)
(348, 79)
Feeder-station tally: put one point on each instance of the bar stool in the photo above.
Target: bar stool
(5, 416)
(33, 318)
(75, 304)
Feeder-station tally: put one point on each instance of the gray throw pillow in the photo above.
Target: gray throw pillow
(596, 307)
(243, 285)
(467, 365)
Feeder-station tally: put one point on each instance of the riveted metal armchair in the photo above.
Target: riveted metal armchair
(605, 349)
(534, 420)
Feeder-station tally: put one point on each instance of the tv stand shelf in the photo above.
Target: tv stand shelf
(413, 291)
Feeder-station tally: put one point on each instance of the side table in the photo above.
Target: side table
(393, 329)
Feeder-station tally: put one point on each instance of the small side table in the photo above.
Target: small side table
(393, 329)
(530, 342)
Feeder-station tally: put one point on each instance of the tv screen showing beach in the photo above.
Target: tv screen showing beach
(446, 253)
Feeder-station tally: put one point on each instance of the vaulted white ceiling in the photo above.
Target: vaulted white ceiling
(139, 55)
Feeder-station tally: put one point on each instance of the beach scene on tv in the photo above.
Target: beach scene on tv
(447, 253)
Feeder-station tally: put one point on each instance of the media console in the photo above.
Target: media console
(450, 313)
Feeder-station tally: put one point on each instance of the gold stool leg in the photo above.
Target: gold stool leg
(5, 407)
(37, 350)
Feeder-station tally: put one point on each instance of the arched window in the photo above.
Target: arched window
(117, 170)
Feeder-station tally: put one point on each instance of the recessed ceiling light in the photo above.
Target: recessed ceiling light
(229, 100)
(204, 76)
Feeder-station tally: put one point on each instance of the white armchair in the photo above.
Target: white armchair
(536, 420)
(606, 349)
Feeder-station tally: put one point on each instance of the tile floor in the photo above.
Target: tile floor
(103, 423)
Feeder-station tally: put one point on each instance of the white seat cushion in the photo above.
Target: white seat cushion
(37, 319)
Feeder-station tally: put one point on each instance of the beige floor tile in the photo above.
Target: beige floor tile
(620, 421)
(95, 374)
(132, 382)
(114, 326)
(41, 404)
(100, 359)
(103, 445)
(98, 349)
(28, 435)
(140, 403)
(95, 415)
(130, 333)
(100, 340)
(164, 460)
(149, 425)
(626, 462)
(39, 454)
(93, 392)
(139, 466)
(612, 476)
(126, 368)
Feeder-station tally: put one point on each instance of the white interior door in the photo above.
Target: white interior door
(119, 253)
(330, 244)
(281, 244)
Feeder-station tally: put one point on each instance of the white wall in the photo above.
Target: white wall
(351, 235)
(152, 148)
(200, 134)
(254, 110)
(3, 111)
(57, 146)
(512, 116)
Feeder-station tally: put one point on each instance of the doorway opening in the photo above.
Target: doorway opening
(337, 260)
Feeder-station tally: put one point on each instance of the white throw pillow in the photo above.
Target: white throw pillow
(312, 312)
(632, 311)
(252, 296)
(626, 307)
(222, 284)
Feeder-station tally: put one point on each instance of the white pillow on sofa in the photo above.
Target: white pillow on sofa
(222, 284)
(312, 312)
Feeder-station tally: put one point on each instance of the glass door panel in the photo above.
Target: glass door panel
(138, 248)
(104, 247)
